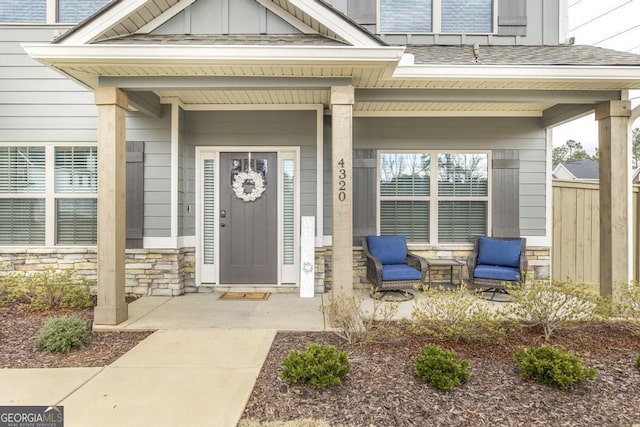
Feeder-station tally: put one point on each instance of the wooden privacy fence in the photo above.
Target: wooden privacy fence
(576, 231)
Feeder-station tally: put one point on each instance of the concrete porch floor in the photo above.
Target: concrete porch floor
(281, 311)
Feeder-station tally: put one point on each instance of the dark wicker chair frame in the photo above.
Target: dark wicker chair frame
(374, 272)
(497, 286)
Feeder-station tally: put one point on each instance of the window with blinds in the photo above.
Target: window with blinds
(22, 212)
(405, 187)
(288, 184)
(22, 221)
(209, 211)
(25, 195)
(450, 209)
(436, 16)
(22, 169)
(76, 169)
(72, 11)
(35, 11)
(76, 221)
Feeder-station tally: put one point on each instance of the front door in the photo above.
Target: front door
(248, 218)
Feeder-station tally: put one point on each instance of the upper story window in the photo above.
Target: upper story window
(47, 11)
(436, 16)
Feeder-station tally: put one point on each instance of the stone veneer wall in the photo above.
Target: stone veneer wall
(148, 271)
(539, 264)
(171, 272)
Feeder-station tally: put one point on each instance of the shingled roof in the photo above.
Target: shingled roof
(522, 55)
(229, 39)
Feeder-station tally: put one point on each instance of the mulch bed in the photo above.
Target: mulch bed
(20, 329)
(382, 389)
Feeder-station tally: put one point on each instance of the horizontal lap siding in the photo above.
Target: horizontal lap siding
(156, 134)
(269, 128)
(523, 134)
(36, 103)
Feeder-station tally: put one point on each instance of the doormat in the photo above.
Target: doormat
(245, 296)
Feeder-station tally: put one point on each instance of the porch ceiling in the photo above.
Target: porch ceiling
(198, 99)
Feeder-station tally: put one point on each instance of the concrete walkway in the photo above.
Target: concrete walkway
(197, 369)
(173, 378)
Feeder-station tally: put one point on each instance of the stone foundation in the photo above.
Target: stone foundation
(539, 265)
(171, 272)
(148, 271)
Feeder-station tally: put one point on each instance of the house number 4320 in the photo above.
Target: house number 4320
(342, 181)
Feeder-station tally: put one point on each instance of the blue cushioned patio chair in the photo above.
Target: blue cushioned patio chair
(497, 262)
(390, 266)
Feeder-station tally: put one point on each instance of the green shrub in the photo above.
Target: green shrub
(354, 324)
(320, 366)
(62, 334)
(553, 305)
(638, 361)
(455, 314)
(552, 366)
(440, 368)
(627, 308)
(46, 290)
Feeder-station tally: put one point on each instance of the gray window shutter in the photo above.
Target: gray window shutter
(362, 11)
(512, 17)
(364, 195)
(135, 194)
(505, 193)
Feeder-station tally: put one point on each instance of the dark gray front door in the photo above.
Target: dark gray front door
(248, 229)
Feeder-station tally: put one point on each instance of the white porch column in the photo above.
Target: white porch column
(341, 154)
(615, 187)
(112, 104)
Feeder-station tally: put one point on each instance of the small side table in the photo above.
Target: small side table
(451, 263)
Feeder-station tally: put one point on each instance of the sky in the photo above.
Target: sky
(612, 24)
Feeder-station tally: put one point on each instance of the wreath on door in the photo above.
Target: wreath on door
(240, 181)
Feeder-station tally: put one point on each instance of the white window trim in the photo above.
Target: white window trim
(287, 274)
(436, 21)
(433, 197)
(51, 16)
(49, 195)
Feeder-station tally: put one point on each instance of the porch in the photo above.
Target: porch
(284, 311)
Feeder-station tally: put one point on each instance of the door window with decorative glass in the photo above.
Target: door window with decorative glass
(452, 208)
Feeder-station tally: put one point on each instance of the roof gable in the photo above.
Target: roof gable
(128, 17)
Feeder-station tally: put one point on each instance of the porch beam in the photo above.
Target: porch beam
(615, 193)
(341, 169)
(148, 103)
(486, 95)
(562, 113)
(112, 308)
(143, 83)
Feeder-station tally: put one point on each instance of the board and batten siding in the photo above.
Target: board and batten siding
(522, 134)
(261, 128)
(225, 17)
